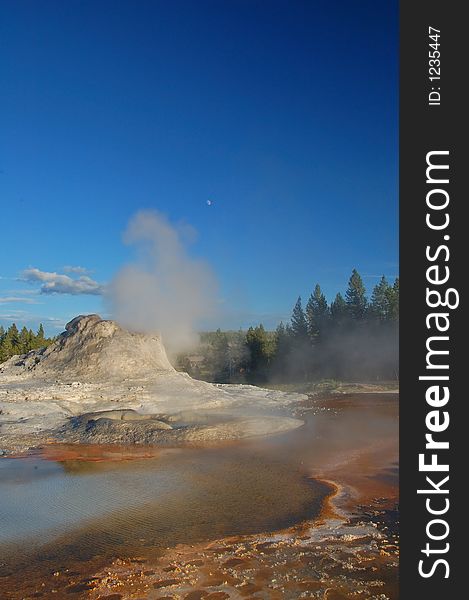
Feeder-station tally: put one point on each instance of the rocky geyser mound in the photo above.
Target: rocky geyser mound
(99, 383)
(91, 349)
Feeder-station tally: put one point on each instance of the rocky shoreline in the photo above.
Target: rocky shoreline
(331, 558)
(349, 551)
(340, 555)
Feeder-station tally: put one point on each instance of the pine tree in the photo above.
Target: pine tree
(237, 355)
(282, 349)
(282, 342)
(381, 298)
(6, 349)
(14, 342)
(219, 358)
(260, 351)
(355, 297)
(317, 313)
(299, 326)
(280, 334)
(280, 331)
(24, 341)
(394, 300)
(10, 343)
(3, 356)
(40, 336)
(301, 348)
(13, 337)
(339, 311)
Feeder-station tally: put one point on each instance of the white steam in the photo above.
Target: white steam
(165, 291)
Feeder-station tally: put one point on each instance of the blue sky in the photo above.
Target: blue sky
(284, 114)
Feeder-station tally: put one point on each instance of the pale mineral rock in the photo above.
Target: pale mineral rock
(95, 366)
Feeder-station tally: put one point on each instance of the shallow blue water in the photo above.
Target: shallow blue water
(41, 498)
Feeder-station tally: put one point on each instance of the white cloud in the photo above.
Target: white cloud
(13, 315)
(21, 292)
(15, 299)
(32, 320)
(76, 270)
(57, 283)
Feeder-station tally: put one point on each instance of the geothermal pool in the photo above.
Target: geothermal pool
(73, 509)
(176, 496)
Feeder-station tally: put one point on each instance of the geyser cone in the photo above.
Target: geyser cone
(123, 389)
(91, 348)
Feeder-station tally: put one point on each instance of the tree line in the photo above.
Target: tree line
(14, 341)
(354, 337)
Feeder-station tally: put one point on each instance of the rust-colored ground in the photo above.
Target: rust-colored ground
(349, 552)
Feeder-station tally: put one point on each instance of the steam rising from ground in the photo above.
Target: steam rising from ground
(165, 291)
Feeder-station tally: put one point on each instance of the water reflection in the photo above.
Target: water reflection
(87, 507)
(67, 508)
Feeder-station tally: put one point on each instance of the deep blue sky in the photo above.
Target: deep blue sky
(282, 113)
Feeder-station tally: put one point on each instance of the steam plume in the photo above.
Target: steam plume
(165, 291)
